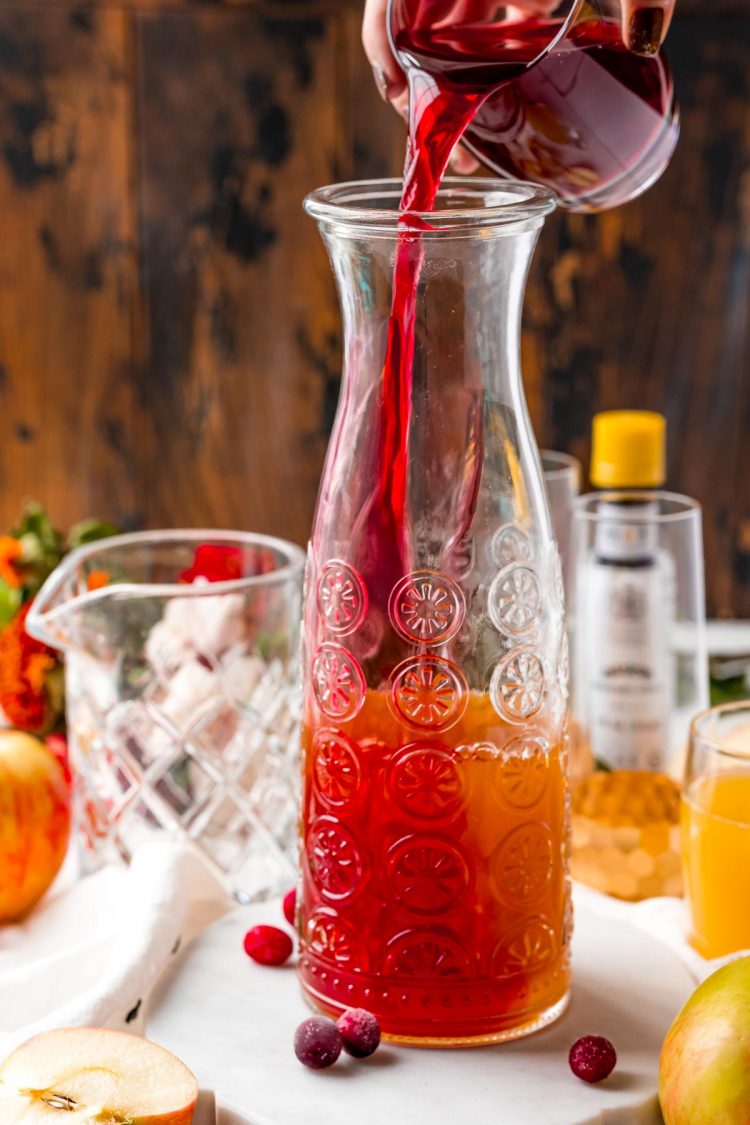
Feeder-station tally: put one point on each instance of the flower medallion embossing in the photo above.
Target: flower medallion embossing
(424, 954)
(517, 687)
(522, 772)
(523, 864)
(514, 600)
(426, 782)
(335, 864)
(427, 874)
(526, 947)
(338, 682)
(337, 773)
(342, 597)
(332, 939)
(511, 544)
(427, 692)
(427, 607)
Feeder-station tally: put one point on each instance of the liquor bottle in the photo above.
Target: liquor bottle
(625, 812)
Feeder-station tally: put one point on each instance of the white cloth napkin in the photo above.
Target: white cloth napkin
(665, 919)
(93, 949)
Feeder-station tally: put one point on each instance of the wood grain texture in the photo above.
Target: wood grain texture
(169, 330)
(67, 266)
(239, 119)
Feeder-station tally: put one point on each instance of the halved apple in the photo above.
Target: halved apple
(90, 1076)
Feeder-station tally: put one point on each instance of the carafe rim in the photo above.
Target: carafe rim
(473, 205)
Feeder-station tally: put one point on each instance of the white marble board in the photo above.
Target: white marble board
(233, 1022)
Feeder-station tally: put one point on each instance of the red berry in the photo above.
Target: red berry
(317, 1042)
(290, 905)
(57, 744)
(268, 945)
(360, 1032)
(592, 1058)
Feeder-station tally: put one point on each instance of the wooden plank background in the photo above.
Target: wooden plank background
(169, 335)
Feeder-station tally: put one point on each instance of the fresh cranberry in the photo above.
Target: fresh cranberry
(360, 1032)
(290, 905)
(268, 945)
(317, 1042)
(57, 744)
(592, 1058)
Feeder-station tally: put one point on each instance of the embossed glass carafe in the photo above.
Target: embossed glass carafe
(434, 847)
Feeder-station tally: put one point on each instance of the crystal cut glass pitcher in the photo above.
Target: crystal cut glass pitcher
(181, 653)
(434, 846)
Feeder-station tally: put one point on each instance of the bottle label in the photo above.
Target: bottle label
(627, 663)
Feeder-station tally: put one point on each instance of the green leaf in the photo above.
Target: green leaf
(89, 531)
(36, 526)
(11, 599)
(729, 691)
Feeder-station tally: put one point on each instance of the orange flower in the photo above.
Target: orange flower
(10, 551)
(97, 580)
(24, 666)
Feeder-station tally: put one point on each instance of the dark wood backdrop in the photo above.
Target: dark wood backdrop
(169, 336)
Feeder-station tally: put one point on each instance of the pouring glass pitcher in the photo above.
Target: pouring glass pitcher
(180, 695)
(555, 99)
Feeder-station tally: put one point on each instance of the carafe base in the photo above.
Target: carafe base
(500, 1030)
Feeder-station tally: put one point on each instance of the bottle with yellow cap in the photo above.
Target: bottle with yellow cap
(625, 832)
(629, 449)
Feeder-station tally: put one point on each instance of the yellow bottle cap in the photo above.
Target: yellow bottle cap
(629, 449)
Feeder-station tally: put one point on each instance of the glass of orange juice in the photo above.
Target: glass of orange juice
(715, 820)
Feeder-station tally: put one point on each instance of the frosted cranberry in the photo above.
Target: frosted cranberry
(592, 1058)
(360, 1032)
(317, 1042)
(290, 905)
(268, 945)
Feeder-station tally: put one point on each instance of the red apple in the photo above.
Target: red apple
(34, 821)
(89, 1075)
(704, 1069)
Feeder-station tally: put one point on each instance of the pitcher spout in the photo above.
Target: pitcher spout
(57, 605)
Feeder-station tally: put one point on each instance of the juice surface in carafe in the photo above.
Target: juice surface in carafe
(433, 883)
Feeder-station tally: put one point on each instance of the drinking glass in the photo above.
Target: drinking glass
(640, 674)
(715, 821)
(562, 478)
(181, 695)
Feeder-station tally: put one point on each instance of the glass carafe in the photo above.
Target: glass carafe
(434, 847)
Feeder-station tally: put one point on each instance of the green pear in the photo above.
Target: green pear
(704, 1070)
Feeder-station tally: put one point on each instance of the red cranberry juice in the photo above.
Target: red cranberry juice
(591, 120)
